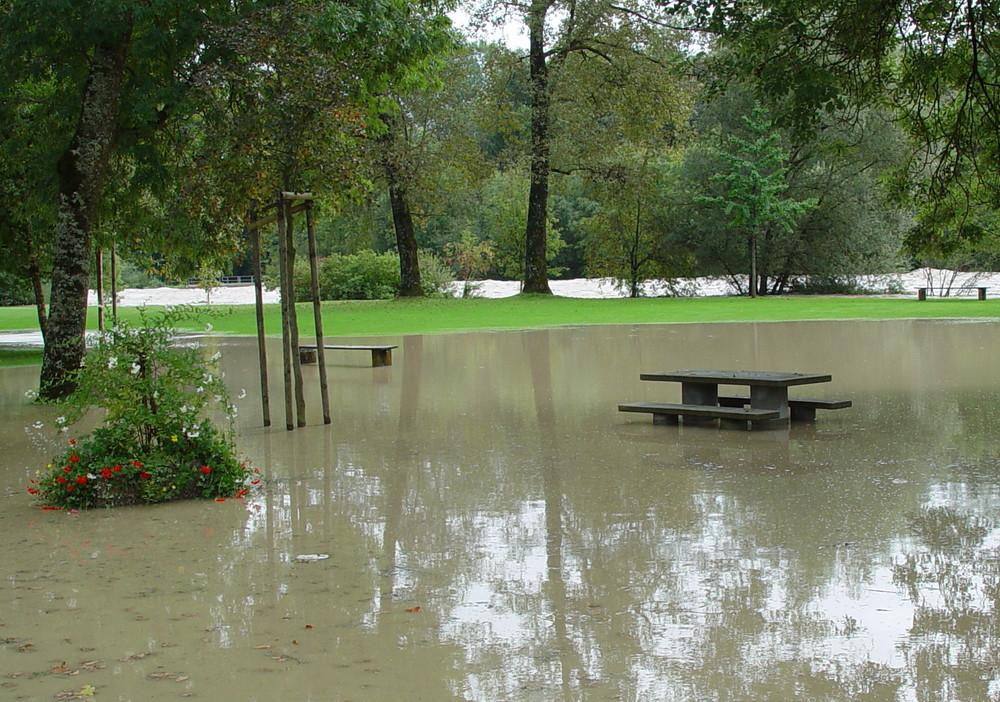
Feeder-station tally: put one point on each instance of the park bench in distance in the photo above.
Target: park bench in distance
(381, 354)
(952, 292)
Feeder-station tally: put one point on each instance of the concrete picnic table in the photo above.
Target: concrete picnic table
(768, 399)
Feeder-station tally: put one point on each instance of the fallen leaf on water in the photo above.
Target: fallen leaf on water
(413, 609)
(60, 668)
(261, 647)
(26, 648)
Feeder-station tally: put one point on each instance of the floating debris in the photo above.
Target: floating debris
(311, 557)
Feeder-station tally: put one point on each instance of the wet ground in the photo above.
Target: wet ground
(497, 530)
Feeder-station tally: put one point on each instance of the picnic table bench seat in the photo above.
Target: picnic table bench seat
(800, 409)
(668, 413)
(381, 353)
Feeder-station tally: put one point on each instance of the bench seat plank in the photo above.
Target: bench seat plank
(348, 347)
(804, 402)
(698, 410)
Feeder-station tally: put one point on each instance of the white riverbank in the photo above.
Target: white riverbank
(579, 287)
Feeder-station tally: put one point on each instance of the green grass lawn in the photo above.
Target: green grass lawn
(400, 317)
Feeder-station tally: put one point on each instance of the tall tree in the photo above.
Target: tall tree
(121, 70)
(753, 189)
(604, 30)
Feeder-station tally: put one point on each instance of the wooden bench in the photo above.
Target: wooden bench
(668, 413)
(799, 409)
(956, 291)
(381, 355)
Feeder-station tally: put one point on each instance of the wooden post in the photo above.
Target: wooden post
(258, 285)
(114, 286)
(285, 326)
(100, 290)
(317, 313)
(293, 317)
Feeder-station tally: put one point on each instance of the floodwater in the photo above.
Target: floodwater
(497, 530)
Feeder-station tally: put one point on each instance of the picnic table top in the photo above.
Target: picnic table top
(730, 377)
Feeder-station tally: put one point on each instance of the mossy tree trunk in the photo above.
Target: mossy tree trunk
(536, 279)
(81, 171)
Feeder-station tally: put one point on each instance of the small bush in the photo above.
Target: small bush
(367, 276)
(156, 442)
(843, 285)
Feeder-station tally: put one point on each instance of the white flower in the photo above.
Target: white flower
(216, 356)
(209, 327)
(243, 393)
(61, 421)
(30, 394)
(38, 425)
(199, 389)
(192, 434)
(136, 368)
(112, 362)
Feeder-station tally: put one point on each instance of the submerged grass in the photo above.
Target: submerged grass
(429, 316)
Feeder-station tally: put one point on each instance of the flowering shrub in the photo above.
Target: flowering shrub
(157, 441)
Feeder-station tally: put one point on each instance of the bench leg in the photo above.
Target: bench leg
(671, 419)
(381, 357)
(307, 355)
(693, 393)
(764, 397)
(802, 414)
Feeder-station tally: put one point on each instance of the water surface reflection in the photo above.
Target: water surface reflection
(498, 531)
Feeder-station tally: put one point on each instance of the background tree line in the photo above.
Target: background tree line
(771, 142)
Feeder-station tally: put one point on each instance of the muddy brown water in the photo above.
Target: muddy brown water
(497, 530)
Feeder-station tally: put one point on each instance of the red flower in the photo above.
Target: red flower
(137, 464)
(144, 475)
(106, 473)
(70, 488)
(206, 470)
(81, 479)
(32, 491)
(220, 499)
(72, 442)
(60, 479)
(74, 458)
(116, 469)
(66, 469)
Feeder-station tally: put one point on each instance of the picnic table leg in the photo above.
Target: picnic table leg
(381, 357)
(771, 398)
(700, 394)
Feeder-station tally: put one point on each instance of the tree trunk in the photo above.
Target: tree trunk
(81, 170)
(402, 219)
(536, 279)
